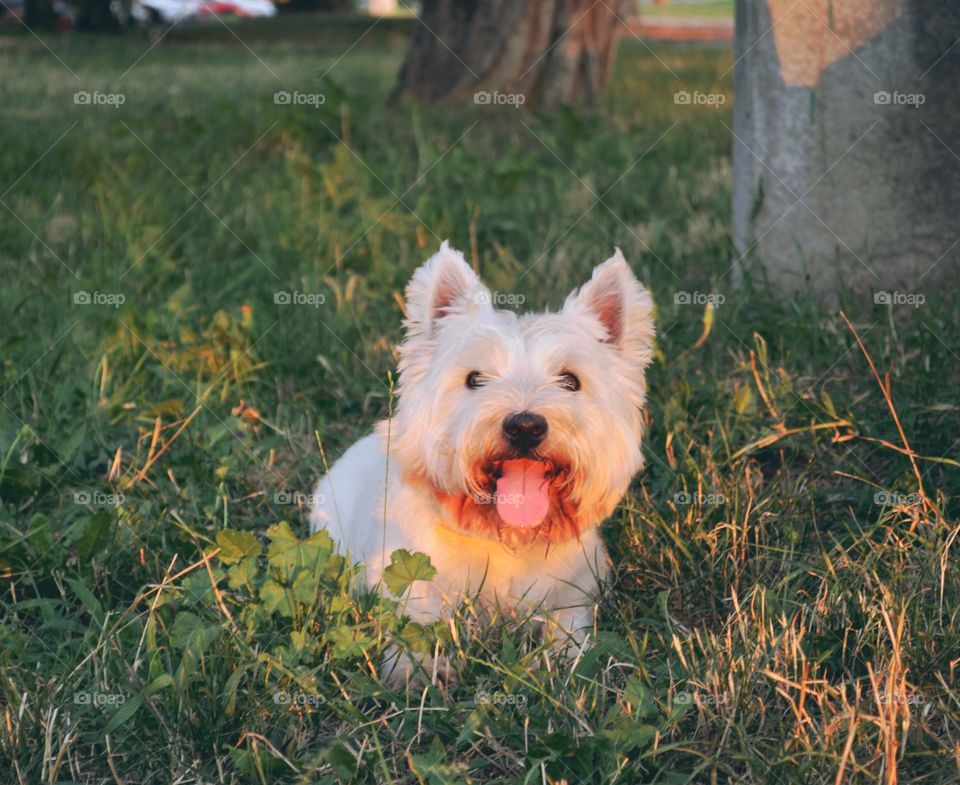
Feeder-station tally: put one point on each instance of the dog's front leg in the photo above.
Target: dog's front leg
(570, 629)
(402, 666)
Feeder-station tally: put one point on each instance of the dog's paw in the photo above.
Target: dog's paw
(569, 635)
(402, 668)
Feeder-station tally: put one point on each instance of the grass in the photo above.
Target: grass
(164, 618)
(717, 9)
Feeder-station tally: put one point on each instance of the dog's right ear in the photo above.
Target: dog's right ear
(616, 299)
(443, 285)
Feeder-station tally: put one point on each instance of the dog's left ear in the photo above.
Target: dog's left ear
(443, 285)
(621, 304)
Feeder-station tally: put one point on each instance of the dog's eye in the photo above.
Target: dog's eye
(569, 381)
(474, 380)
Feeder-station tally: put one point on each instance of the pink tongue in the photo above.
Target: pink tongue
(522, 493)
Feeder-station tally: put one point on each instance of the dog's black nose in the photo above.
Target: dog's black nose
(525, 430)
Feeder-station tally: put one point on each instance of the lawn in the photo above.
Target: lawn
(784, 605)
(715, 9)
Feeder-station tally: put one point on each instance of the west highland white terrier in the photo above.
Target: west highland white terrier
(514, 437)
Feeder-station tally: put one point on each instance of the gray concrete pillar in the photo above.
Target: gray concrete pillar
(847, 142)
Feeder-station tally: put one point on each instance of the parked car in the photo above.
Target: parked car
(174, 11)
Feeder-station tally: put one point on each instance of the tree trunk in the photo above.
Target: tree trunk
(550, 52)
(321, 6)
(847, 135)
(40, 15)
(95, 16)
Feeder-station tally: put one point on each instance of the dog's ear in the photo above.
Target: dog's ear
(621, 304)
(443, 285)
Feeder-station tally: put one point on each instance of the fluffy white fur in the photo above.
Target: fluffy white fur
(446, 440)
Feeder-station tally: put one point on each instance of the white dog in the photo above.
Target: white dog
(514, 437)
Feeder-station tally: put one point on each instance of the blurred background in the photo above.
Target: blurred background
(114, 15)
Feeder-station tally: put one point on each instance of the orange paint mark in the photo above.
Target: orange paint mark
(812, 34)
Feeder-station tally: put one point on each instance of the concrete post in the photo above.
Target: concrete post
(847, 142)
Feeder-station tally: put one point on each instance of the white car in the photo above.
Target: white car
(174, 11)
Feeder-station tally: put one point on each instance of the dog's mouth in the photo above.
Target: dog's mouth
(520, 488)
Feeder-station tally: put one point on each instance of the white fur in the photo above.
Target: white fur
(442, 432)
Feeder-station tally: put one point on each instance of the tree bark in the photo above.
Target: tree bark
(550, 52)
(322, 6)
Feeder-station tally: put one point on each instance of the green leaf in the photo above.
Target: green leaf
(828, 405)
(348, 641)
(230, 689)
(185, 627)
(299, 640)
(419, 637)
(743, 400)
(243, 573)
(95, 535)
(293, 600)
(405, 568)
(430, 767)
(162, 681)
(125, 712)
(91, 603)
(304, 588)
(257, 761)
(342, 762)
(275, 598)
(194, 636)
(565, 758)
(236, 546)
(198, 588)
(638, 695)
(38, 533)
(286, 553)
(626, 735)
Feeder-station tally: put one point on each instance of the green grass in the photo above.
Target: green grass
(719, 9)
(781, 628)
